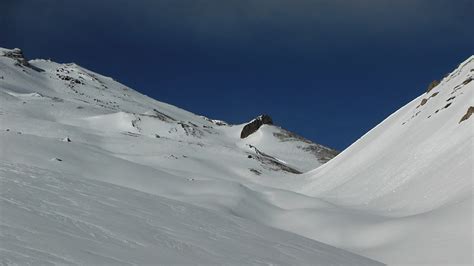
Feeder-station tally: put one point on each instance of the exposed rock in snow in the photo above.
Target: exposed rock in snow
(468, 114)
(271, 162)
(17, 55)
(255, 124)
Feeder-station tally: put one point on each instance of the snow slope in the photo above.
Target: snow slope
(414, 174)
(52, 218)
(104, 174)
(92, 172)
(420, 144)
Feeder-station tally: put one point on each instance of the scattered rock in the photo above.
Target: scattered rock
(450, 98)
(255, 171)
(162, 116)
(253, 126)
(468, 114)
(285, 135)
(424, 101)
(467, 81)
(66, 139)
(323, 154)
(57, 99)
(220, 123)
(216, 122)
(131, 134)
(272, 163)
(57, 159)
(191, 130)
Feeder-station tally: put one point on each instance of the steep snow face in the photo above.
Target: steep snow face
(418, 159)
(411, 178)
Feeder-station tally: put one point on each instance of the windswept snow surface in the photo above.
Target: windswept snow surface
(93, 172)
(52, 218)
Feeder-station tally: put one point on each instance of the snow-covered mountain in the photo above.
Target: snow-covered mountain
(93, 172)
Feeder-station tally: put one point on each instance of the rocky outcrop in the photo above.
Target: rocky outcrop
(253, 126)
(17, 54)
(468, 114)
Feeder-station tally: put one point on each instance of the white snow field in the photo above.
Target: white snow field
(93, 172)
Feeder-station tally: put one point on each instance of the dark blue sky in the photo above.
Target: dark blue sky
(329, 70)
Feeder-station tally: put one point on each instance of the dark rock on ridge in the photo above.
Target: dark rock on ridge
(253, 126)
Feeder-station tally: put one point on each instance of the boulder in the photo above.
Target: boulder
(255, 124)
